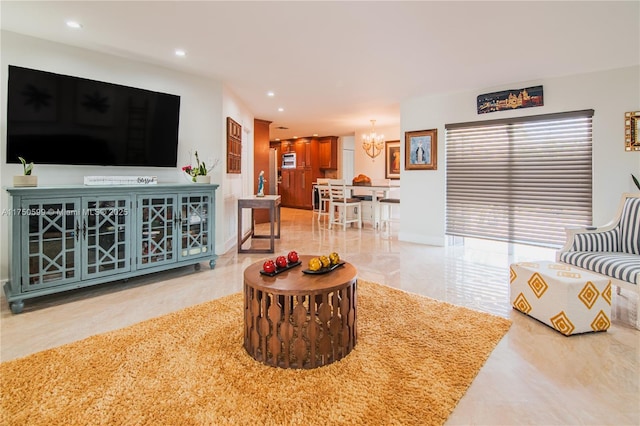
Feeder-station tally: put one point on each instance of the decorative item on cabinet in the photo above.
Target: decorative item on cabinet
(26, 179)
(200, 173)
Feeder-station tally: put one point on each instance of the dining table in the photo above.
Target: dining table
(376, 192)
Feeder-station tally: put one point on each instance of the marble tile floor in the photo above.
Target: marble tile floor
(535, 376)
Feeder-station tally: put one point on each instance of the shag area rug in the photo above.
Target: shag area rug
(414, 359)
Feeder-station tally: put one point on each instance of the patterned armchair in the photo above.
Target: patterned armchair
(612, 250)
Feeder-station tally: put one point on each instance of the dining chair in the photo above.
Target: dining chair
(387, 215)
(343, 209)
(322, 209)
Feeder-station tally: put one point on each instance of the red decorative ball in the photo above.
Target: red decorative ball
(269, 266)
(292, 257)
(281, 262)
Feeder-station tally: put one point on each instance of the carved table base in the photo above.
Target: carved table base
(295, 320)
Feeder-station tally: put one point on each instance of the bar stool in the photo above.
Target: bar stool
(323, 198)
(342, 208)
(386, 207)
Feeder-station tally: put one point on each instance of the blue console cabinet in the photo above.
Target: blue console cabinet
(67, 237)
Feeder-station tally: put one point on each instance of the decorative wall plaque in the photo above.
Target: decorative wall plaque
(632, 131)
(234, 146)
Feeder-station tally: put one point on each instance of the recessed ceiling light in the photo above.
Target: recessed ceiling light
(280, 109)
(74, 24)
(277, 139)
(295, 137)
(315, 134)
(180, 52)
(270, 94)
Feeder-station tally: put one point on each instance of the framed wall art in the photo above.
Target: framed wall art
(234, 146)
(510, 99)
(632, 131)
(392, 160)
(421, 150)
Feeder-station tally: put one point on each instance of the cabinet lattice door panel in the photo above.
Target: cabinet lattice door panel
(195, 228)
(52, 230)
(105, 228)
(156, 241)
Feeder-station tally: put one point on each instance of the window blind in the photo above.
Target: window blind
(520, 180)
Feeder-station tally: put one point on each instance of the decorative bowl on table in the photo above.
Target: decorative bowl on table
(281, 264)
(324, 270)
(323, 264)
(280, 270)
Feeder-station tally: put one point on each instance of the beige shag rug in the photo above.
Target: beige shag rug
(414, 360)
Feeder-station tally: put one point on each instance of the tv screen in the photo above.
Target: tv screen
(60, 119)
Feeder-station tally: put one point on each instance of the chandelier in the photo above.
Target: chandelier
(373, 143)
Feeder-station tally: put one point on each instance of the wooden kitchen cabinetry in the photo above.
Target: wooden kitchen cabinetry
(313, 157)
(296, 188)
(303, 149)
(328, 153)
(286, 146)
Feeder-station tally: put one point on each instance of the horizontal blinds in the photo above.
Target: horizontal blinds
(519, 181)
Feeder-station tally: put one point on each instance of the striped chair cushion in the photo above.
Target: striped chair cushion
(597, 241)
(622, 266)
(630, 227)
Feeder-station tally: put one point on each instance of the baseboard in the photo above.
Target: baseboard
(421, 239)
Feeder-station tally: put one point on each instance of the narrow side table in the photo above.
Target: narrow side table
(270, 202)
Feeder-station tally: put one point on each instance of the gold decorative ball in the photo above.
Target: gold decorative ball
(315, 264)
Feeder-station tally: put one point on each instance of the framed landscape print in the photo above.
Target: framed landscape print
(421, 150)
(392, 160)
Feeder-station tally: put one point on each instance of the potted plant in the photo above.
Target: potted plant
(26, 179)
(199, 173)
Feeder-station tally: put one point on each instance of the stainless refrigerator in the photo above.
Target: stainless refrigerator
(272, 176)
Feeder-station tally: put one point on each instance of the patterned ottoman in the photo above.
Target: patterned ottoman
(561, 296)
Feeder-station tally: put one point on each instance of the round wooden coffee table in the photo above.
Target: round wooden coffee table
(298, 320)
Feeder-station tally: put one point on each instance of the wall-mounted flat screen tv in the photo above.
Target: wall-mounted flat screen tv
(60, 119)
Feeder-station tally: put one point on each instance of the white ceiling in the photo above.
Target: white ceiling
(336, 65)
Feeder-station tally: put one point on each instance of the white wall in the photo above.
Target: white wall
(202, 125)
(235, 185)
(610, 94)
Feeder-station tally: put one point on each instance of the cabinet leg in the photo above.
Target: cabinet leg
(17, 306)
(212, 263)
(196, 266)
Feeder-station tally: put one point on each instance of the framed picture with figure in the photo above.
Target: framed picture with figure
(392, 160)
(421, 150)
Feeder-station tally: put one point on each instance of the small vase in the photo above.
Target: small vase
(25, 180)
(203, 179)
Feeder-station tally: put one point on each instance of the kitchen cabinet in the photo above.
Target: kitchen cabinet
(63, 238)
(296, 188)
(328, 153)
(313, 156)
(286, 146)
(303, 149)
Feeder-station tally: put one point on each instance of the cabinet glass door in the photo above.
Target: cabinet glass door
(105, 233)
(195, 228)
(157, 230)
(52, 255)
